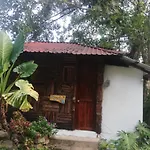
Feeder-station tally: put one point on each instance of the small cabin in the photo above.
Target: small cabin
(86, 88)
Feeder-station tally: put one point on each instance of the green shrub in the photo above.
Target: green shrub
(146, 110)
(41, 128)
(137, 140)
(26, 135)
(19, 125)
(4, 148)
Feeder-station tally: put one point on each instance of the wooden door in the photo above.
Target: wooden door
(86, 95)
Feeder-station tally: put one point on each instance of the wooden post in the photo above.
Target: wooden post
(99, 97)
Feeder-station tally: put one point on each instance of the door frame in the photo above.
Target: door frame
(98, 96)
(76, 93)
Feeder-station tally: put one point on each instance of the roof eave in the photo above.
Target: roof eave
(136, 64)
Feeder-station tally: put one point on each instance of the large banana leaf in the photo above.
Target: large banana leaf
(18, 98)
(18, 47)
(5, 51)
(26, 69)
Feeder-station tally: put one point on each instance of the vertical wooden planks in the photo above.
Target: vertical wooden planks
(99, 97)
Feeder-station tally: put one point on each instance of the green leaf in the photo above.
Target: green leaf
(26, 69)
(25, 106)
(18, 98)
(5, 51)
(18, 47)
(127, 141)
(5, 80)
(27, 88)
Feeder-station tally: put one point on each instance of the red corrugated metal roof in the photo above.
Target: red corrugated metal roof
(66, 48)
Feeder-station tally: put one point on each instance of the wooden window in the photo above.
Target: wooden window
(68, 74)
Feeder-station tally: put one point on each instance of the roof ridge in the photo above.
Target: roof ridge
(84, 45)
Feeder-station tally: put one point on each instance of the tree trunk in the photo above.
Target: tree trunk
(3, 115)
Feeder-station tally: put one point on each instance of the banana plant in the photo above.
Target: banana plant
(16, 92)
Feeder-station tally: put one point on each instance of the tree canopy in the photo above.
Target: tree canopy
(113, 24)
(37, 17)
(122, 25)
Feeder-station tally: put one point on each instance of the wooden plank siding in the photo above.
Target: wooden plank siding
(57, 75)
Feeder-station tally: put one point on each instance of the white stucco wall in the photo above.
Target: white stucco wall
(122, 105)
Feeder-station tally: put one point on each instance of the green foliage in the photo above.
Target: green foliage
(146, 112)
(26, 69)
(5, 51)
(18, 130)
(18, 98)
(18, 125)
(41, 128)
(18, 47)
(106, 145)
(37, 18)
(137, 140)
(115, 24)
(4, 148)
(127, 141)
(27, 135)
(9, 53)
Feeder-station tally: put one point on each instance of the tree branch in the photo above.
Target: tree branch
(60, 12)
(63, 15)
(75, 5)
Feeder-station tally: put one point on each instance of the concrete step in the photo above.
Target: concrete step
(74, 143)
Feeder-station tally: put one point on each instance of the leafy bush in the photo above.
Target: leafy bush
(27, 135)
(41, 128)
(18, 129)
(137, 140)
(4, 148)
(146, 111)
(18, 125)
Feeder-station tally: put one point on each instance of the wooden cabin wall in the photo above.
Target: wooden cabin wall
(55, 76)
